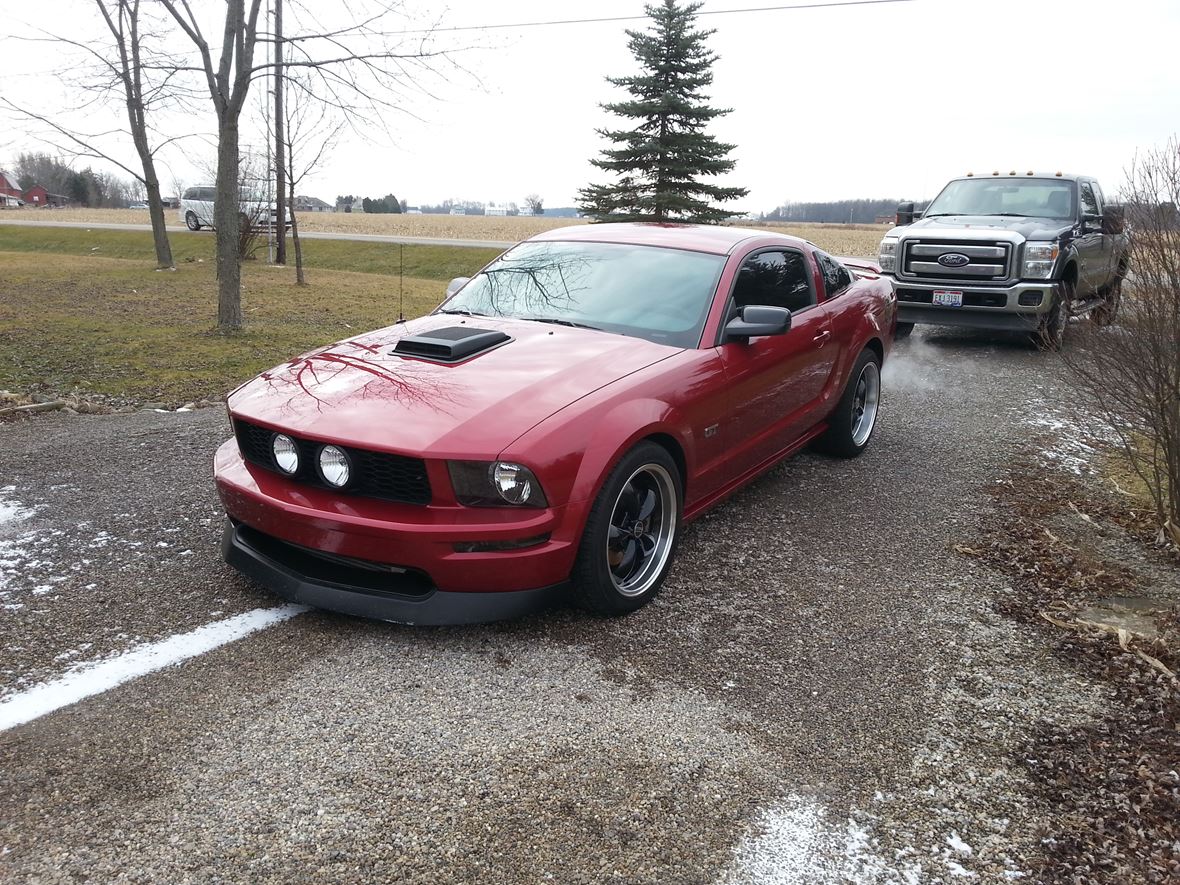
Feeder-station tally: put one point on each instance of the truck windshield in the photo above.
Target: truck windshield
(659, 294)
(1033, 197)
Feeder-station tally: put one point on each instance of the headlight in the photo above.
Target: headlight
(334, 466)
(1038, 260)
(286, 453)
(888, 257)
(491, 484)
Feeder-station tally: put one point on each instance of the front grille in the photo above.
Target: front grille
(986, 261)
(375, 474)
(970, 299)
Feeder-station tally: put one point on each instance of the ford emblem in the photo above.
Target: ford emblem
(953, 259)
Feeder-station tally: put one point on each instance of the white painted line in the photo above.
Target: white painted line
(95, 677)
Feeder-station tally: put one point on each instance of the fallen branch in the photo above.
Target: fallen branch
(35, 407)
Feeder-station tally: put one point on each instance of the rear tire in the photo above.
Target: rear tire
(1107, 312)
(852, 423)
(903, 330)
(630, 537)
(190, 220)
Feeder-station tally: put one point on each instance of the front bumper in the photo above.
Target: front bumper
(428, 541)
(301, 577)
(994, 307)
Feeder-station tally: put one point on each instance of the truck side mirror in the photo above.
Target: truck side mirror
(905, 214)
(1114, 220)
(456, 284)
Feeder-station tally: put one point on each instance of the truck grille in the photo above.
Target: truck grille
(986, 262)
(377, 474)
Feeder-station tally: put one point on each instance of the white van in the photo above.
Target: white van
(196, 209)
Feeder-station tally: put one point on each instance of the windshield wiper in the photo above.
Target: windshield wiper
(559, 322)
(461, 312)
(1006, 214)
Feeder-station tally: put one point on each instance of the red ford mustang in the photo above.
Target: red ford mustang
(552, 425)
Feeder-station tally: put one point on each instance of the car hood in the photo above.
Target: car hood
(1016, 229)
(357, 392)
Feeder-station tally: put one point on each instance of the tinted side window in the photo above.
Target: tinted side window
(191, 193)
(776, 279)
(1086, 195)
(836, 275)
(1098, 196)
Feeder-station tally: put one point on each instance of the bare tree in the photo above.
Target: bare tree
(310, 134)
(535, 204)
(133, 66)
(361, 67)
(1132, 369)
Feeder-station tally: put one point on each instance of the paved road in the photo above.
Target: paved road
(310, 235)
(823, 693)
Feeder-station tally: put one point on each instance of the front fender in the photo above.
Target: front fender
(574, 456)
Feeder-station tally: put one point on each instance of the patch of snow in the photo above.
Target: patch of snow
(94, 677)
(958, 844)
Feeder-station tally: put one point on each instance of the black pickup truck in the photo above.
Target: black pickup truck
(1014, 252)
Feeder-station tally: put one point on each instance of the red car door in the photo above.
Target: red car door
(776, 382)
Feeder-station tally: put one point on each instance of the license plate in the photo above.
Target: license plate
(948, 298)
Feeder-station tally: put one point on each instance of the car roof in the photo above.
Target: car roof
(1059, 176)
(714, 239)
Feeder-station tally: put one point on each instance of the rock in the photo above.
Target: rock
(148, 407)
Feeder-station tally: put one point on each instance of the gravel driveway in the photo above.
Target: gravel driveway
(823, 693)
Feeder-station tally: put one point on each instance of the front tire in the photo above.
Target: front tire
(1050, 333)
(190, 220)
(630, 537)
(852, 423)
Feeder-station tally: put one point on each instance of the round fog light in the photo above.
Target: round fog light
(286, 453)
(334, 467)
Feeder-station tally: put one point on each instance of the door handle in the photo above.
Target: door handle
(822, 337)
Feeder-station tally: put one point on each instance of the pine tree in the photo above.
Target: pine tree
(659, 163)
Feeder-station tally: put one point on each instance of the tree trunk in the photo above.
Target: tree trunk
(159, 229)
(225, 218)
(280, 162)
(300, 280)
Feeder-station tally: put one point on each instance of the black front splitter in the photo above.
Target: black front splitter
(437, 607)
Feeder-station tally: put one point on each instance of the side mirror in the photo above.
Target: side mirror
(1114, 221)
(1091, 221)
(456, 284)
(905, 214)
(757, 320)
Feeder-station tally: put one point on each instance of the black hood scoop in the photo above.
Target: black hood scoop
(450, 345)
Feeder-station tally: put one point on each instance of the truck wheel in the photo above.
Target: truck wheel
(1106, 312)
(190, 220)
(903, 330)
(1050, 333)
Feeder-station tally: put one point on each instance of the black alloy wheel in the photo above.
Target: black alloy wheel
(630, 536)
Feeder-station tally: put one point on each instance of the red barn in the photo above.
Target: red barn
(8, 186)
(37, 196)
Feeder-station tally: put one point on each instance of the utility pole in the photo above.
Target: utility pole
(280, 225)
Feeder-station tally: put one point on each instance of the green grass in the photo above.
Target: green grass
(423, 262)
(106, 321)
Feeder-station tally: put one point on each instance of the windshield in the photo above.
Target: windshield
(1034, 197)
(662, 295)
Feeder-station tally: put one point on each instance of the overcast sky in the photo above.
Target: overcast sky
(873, 101)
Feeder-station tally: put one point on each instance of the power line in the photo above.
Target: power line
(631, 18)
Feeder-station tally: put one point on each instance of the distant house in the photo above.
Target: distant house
(312, 204)
(496, 209)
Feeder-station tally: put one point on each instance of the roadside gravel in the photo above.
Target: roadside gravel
(824, 692)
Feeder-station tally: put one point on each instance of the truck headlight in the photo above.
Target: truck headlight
(887, 258)
(491, 484)
(1038, 260)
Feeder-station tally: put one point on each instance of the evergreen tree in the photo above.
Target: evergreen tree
(659, 162)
